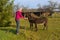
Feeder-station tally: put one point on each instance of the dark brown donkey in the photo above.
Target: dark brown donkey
(36, 20)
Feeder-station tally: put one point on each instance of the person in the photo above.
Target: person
(17, 18)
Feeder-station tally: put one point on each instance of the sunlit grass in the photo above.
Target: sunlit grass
(53, 32)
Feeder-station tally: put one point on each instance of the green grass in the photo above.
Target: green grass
(53, 32)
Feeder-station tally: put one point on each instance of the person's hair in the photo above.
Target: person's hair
(20, 9)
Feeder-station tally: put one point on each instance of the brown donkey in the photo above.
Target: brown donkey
(36, 20)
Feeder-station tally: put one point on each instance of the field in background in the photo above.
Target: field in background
(53, 32)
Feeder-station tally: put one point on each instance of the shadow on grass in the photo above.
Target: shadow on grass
(8, 30)
(11, 29)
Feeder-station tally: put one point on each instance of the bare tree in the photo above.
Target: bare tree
(25, 8)
(39, 7)
(52, 4)
(59, 6)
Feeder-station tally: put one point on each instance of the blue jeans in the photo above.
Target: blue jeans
(17, 26)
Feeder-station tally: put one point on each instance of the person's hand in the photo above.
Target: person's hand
(25, 18)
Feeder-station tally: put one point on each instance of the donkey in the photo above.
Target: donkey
(36, 20)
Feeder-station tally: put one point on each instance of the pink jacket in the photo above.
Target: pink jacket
(18, 15)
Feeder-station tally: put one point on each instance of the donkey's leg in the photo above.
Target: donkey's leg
(31, 25)
(36, 26)
(45, 26)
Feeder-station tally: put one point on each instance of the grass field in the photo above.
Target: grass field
(53, 32)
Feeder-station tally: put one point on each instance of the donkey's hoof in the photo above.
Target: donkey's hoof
(43, 28)
(36, 30)
(46, 29)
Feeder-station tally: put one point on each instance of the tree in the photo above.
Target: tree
(39, 7)
(52, 5)
(59, 6)
(6, 10)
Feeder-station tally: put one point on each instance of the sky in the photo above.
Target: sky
(33, 3)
